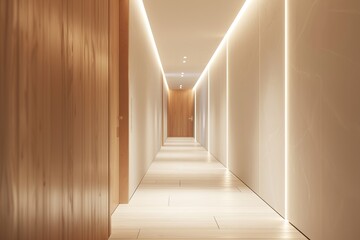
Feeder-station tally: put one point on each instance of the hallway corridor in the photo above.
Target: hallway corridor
(187, 194)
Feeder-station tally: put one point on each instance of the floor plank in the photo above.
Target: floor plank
(187, 194)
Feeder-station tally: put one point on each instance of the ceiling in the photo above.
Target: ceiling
(189, 30)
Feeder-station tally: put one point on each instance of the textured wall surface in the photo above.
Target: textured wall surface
(54, 119)
(324, 118)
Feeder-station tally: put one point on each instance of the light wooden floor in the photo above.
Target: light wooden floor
(187, 194)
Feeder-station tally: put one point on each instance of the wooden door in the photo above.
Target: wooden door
(181, 113)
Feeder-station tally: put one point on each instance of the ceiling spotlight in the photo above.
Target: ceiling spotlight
(184, 61)
(185, 57)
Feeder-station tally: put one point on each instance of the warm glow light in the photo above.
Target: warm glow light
(181, 86)
(208, 118)
(184, 61)
(286, 108)
(148, 27)
(227, 105)
(185, 57)
(195, 115)
(224, 40)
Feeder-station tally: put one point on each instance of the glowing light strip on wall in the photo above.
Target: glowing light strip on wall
(227, 104)
(208, 119)
(153, 43)
(286, 108)
(224, 40)
(195, 116)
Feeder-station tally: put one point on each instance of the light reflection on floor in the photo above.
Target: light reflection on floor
(187, 194)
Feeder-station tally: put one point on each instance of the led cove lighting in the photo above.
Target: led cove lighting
(148, 27)
(224, 40)
(208, 118)
(227, 105)
(286, 106)
(195, 117)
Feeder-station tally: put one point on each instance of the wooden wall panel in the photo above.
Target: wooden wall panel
(114, 101)
(54, 119)
(124, 101)
(180, 109)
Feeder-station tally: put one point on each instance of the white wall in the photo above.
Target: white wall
(165, 106)
(271, 103)
(202, 112)
(323, 111)
(145, 83)
(256, 101)
(217, 81)
(254, 63)
(244, 98)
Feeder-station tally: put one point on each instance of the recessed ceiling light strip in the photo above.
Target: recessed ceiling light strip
(148, 27)
(223, 41)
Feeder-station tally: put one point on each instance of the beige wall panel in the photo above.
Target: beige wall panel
(217, 81)
(272, 104)
(165, 111)
(54, 119)
(305, 130)
(340, 67)
(145, 80)
(202, 111)
(324, 118)
(244, 99)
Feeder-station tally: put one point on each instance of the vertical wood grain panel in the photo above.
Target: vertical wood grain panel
(180, 109)
(124, 101)
(114, 103)
(9, 154)
(54, 119)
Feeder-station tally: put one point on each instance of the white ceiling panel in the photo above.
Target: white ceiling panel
(189, 30)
